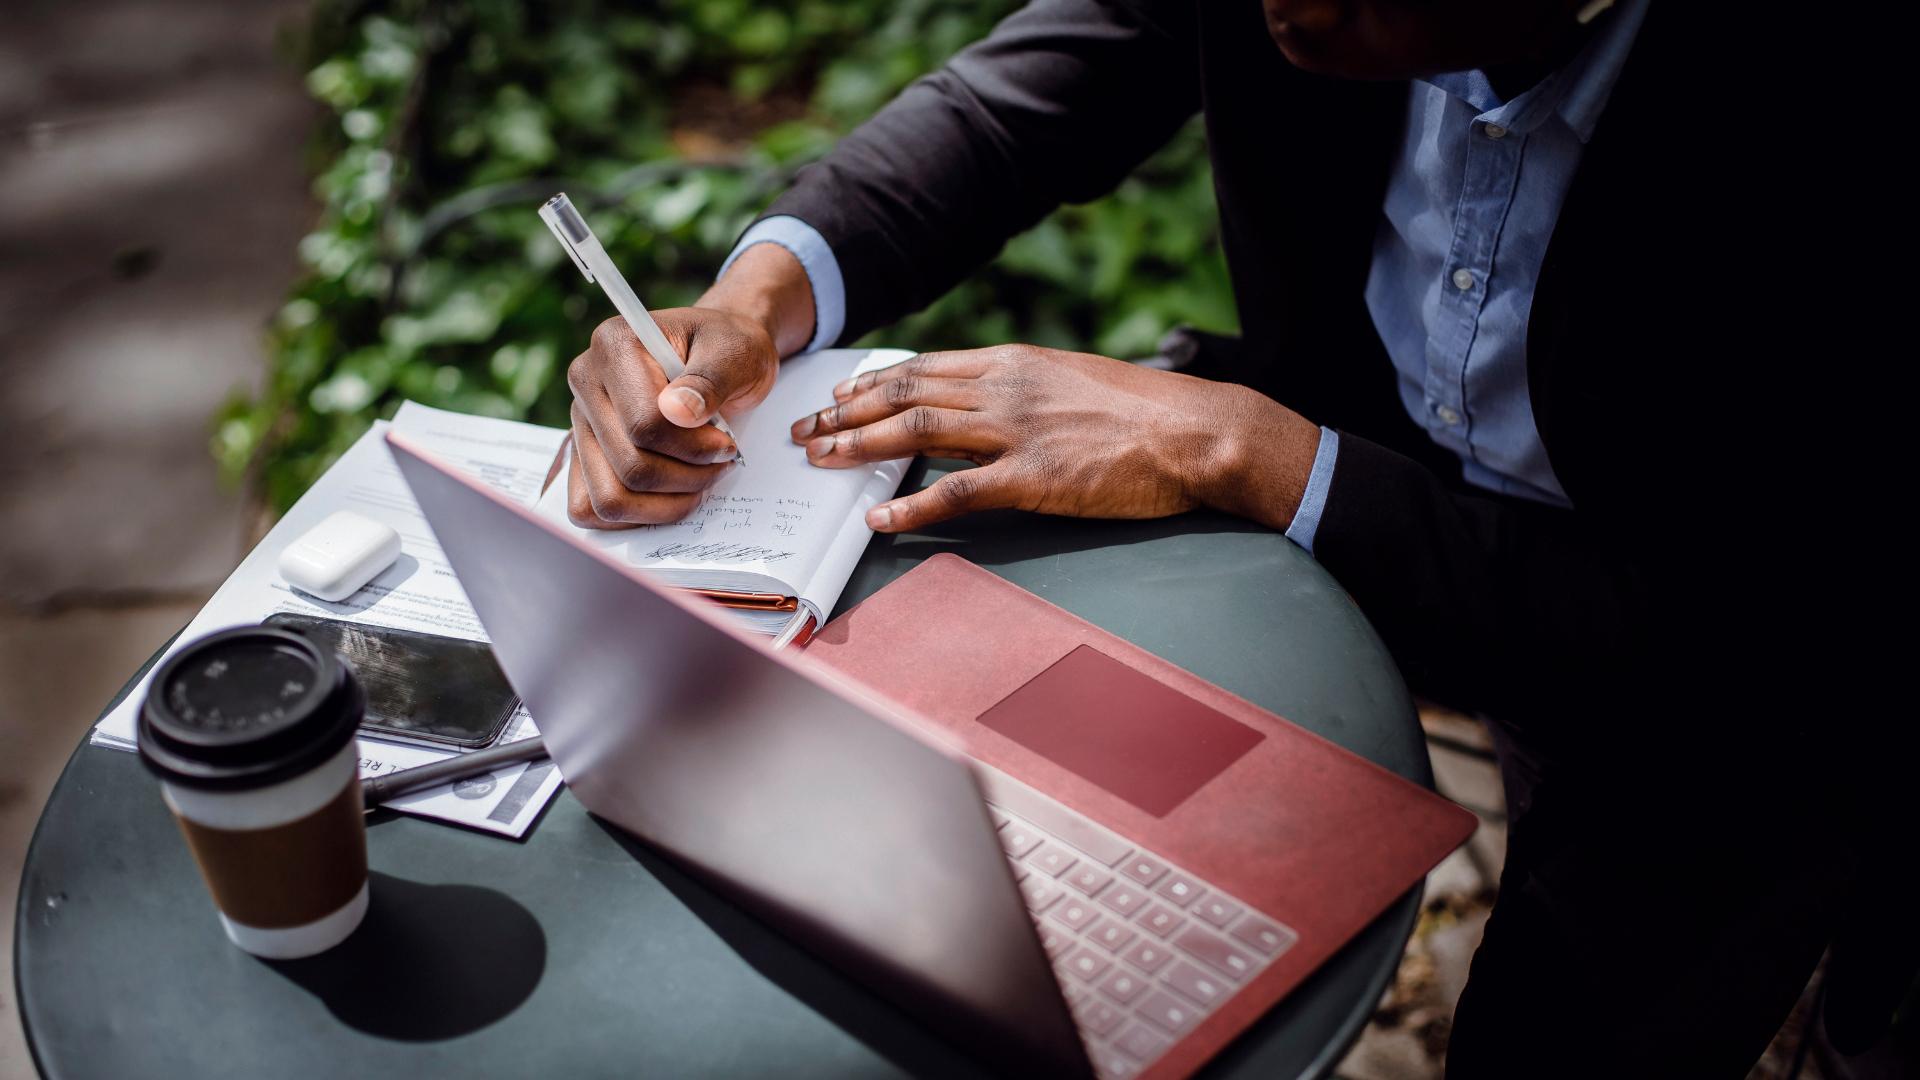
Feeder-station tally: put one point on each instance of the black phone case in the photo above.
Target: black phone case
(425, 689)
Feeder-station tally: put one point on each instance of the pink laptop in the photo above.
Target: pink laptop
(1063, 853)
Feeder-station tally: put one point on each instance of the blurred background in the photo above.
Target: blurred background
(234, 234)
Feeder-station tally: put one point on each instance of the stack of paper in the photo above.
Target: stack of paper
(418, 593)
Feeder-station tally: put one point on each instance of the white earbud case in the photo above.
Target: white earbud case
(335, 558)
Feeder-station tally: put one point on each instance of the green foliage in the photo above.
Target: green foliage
(671, 124)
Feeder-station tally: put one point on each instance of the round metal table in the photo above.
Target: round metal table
(579, 952)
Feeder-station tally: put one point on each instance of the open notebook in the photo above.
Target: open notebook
(777, 538)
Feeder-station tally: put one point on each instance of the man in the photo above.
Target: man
(1510, 287)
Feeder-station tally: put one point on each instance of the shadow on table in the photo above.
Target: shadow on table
(842, 1002)
(998, 537)
(430, 962)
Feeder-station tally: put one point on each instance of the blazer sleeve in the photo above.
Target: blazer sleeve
(1057, 105)
(1486, 603)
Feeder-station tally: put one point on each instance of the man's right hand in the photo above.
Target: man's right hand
(643, 450)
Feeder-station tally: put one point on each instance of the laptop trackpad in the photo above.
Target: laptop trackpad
(1130, 733)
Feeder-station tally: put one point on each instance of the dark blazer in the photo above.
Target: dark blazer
(1672, 640)
(1643, 305)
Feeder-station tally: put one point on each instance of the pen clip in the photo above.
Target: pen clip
(568, 227)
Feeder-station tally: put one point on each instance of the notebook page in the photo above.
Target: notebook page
(776, 517)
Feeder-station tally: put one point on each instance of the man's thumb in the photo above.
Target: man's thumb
(689, 400)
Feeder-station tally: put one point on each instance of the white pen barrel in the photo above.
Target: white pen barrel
(629, 305)
(577, 238)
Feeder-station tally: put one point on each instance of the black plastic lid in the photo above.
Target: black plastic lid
(247, 707)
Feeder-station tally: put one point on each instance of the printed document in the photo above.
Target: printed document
(418, 592)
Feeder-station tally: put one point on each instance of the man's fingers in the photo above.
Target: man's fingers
(922, 429)
(643, 471)
(723, 369)
(886, 399)
(609, 500)
(690, 399)
(619, 399)
(968, 364)
(985, 488)
(625, 372)
(579, 502)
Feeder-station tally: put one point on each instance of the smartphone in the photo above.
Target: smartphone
(424, 689)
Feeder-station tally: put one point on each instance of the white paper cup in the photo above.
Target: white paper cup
(251, 732)
(286, 864)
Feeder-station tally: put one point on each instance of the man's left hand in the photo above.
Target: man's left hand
(1066, 433)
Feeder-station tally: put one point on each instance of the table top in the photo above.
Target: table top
(578, 951)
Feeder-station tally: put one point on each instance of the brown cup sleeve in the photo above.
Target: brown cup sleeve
(286, 875)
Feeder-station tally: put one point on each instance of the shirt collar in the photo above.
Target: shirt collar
(1597, 68)
(1577, 92)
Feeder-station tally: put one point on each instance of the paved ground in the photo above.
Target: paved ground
(152, 189)
(151, 159)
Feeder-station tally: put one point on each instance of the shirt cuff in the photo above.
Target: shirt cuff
(1306, 520)
(816, 258)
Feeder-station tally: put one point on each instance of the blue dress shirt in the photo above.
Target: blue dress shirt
(816, 258)
(1470, 206)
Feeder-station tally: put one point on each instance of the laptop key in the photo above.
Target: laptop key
(1020, 871)
(1114, 935)
(1123, 986)
(1052, 859)
(1216, 952)
(1074, 913)
(1216, 909)
(1143, 868)
(1179, 889)
(1086, 964)
(1202, 987)
(1089, 879)
(1161, 920)
(1017, 839)
(1068, 826)
(1168, 1013)
(999, 819)
(1124, 898)
(1142, 1042)
(1097, 1016)
(1263, 935)
(1147, 956)
(1040, 893)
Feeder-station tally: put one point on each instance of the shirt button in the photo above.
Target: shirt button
(1495, 131)
(1447, 416)
(1463, 279)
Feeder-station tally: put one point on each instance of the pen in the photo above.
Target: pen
(572, 232)
(378, 789)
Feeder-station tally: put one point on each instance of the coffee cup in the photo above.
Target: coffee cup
(251, 732)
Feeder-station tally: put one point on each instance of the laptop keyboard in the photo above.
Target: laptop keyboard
(1144, 951)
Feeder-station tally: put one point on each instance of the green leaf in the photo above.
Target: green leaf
(518, 130)
(678, 207)
(459, 116)
(766, 32)
(464, 316)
